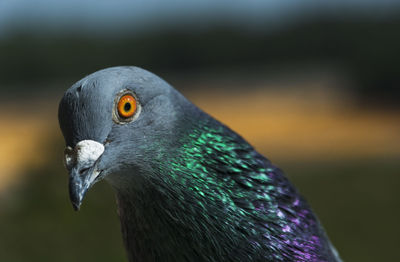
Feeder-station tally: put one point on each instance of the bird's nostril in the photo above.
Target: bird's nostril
(83, 170)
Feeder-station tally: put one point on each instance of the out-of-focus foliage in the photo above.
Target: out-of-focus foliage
(364, 49)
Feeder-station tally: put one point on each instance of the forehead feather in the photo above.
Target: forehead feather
(145, 84)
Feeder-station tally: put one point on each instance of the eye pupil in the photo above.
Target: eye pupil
(127, 107)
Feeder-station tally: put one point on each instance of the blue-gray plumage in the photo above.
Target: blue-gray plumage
(188, 188)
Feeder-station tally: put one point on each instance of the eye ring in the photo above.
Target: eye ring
(126, 107)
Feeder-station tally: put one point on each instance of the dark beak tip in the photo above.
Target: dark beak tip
(76, 206)
(75, 201)
(76, 192)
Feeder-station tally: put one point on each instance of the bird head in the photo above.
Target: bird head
(115, 120)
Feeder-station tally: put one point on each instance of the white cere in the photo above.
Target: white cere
(85, 153)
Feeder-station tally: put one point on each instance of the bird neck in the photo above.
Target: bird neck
(213, 196)
(180, 210)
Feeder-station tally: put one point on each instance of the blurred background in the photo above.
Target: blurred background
(313, 85)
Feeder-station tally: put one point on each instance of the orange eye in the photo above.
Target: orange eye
(126, 106)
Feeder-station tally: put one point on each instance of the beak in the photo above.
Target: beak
(81, 164)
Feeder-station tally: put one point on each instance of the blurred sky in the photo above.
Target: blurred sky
(100, 16)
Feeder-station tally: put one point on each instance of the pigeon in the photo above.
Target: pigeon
(188, 188)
